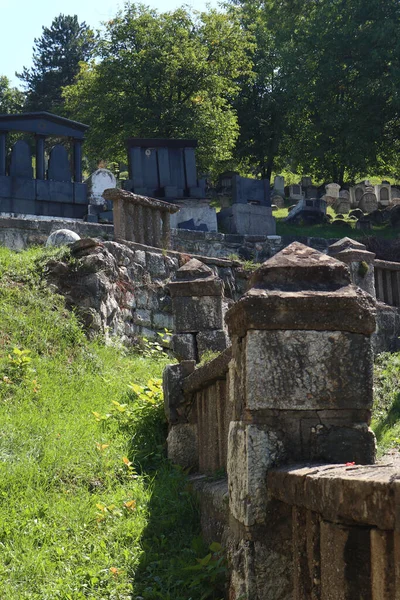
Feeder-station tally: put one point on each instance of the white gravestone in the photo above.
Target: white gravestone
(100, 180)
(332, 189)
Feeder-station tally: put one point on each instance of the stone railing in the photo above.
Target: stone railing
(387, 282)
(288, 393)
(202, 414)
(141, 219)
(345, 523)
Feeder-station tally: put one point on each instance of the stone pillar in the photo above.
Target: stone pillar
(3, 153)
(78, 161)
(40, 156)
(301, 389)
(197, 310)
(360, 262)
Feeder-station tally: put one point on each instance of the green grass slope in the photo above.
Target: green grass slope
(89, 507)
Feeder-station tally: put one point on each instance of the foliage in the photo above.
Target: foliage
(163, 75)
(56, 57)
(386, 413)
(77, 519)
(11, 98)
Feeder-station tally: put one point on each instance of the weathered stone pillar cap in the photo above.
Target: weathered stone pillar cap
(301, 288)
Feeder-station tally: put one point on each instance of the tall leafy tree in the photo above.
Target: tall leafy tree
(11, 98)
(348, 79)
(324, 97)
(164, 75)
(56, 57)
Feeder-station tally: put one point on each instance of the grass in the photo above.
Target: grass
(329, 231)
(89, 506)
(386, 413)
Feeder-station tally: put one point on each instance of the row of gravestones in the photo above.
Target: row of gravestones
(365, 196)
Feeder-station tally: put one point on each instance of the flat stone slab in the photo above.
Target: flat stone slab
(350, 494)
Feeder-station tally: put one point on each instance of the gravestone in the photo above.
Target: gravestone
(332, 189)
(277, 200)
(99, 208)
(100, 180)
(279, 186)
(368, 202)
(295, 192)
(59, 169)
(21, 160)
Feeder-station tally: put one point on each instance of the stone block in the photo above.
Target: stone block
(261, 558)
(353, 443)
(193, 314)
(214, 507)
(162, 320)
(155, 264)
(252, 451)
(345, 562)
(174, 399)
(195, 215)
(184, 346)
(211, 286)
(142, 317)
(308, 370)
(140, 257)
(250, 219)
(182, 445)
(214, 341)
(383, 577)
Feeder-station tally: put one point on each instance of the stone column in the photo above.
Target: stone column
(3, 152)
(40, 156)
(360, 262)
(197, 310)
(301, 387)
(78, 161)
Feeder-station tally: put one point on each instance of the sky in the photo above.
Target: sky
(22, 20)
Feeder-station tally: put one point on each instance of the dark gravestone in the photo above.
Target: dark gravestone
(59, 168)
(250, 191)
(384, 195)
(21, 160)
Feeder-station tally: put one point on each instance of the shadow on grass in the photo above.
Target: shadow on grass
(392, 417)
(175, 564)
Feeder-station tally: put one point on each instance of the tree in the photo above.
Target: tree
(324, 96)
(11, 98)
(56, 57)
(347, 84)
(163, 75)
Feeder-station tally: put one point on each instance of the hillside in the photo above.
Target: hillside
(89, 507)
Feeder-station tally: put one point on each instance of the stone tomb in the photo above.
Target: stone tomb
(250, 213)
(57, 191)
(166, 168)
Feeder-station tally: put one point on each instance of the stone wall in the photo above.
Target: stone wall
(121, 288)
(17, 234)
(287, 392)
